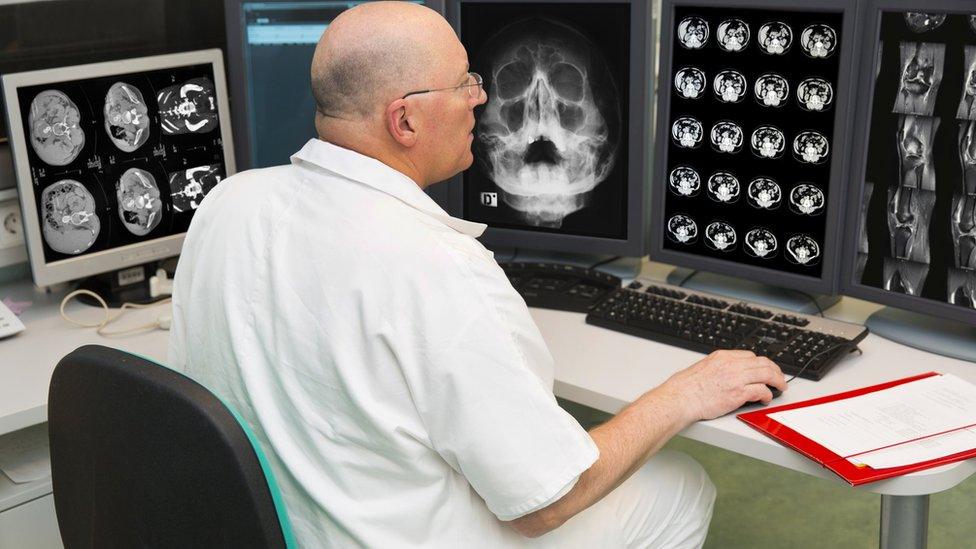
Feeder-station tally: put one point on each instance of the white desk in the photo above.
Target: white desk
(595, 367)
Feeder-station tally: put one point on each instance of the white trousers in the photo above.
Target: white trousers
(666, 504)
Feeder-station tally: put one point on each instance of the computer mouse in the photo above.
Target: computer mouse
(776, 392)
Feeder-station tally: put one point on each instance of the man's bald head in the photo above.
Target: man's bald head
(374, 52)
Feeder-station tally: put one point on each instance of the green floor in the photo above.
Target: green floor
(765, 506)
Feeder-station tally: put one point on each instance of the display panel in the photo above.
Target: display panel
(915, 229)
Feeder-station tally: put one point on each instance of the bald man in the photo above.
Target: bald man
(392, 375)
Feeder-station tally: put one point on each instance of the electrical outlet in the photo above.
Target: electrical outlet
(11, 227)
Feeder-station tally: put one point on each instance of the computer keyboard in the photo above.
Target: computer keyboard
(561, 287)
(698, 321)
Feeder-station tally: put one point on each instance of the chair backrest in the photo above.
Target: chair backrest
(143, 456)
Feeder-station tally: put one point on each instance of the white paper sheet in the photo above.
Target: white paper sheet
(25, 455)
(875, 420)
(919, 451)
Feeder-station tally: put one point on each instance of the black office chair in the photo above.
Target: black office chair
(143, 456)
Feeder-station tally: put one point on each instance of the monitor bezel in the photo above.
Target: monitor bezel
(826, 283)
(639, 150)
(64, 270)
(235, 26)
(865, 104)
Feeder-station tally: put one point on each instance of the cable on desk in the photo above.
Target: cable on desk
(161, 322)
(827, 350)
(813, 300)
(604, 262)
(687, 278)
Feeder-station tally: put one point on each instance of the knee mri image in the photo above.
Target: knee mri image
(918, 213)
(116, 160)
(550, 144)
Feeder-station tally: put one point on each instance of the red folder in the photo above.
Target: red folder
(853, 474)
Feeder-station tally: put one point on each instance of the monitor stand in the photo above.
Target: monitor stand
(128, 285)
(627, 268)
(747, 290)
(935, 335)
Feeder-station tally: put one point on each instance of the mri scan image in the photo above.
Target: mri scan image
(807, 199)
(126, 117)
(190, 107)
(690, 83)
(730, 86)
(188, 187)
(967, 104)
(693, 33)
(764, 193)
(687, 132)
(909, 214)
(545, 137)
(771, 90)
(140, 208)
(962, 288)
(904, 277)
(54, 132)
(818, 41)
(814, 94)
(70, 224)
(924, 22)
(967, 156)
(684, 181)
(964, 230)
(921, 76)
(775, 38)
(811, 147)
(916, 135)
(732, 35)
(760, 243)
(768, 142)
(726, 137)
(972, 22)
(682, 229)
(802, 250)
(863, 244)
(720, 236)
(723, 187)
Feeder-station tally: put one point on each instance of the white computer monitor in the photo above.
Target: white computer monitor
(112, 159)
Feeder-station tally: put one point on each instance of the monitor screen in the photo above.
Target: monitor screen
(552, 144)
(916, 230)
(751, 134)
(112, 159)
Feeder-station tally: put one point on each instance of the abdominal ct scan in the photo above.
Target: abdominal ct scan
(140, 208)
(126, 116)
(55, 134)
(70, 224)
(188, 187)
(190, 107)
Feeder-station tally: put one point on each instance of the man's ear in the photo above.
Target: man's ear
(400, 124)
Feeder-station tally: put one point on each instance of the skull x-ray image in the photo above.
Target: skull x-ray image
(684, 181)
(811, 147)
(55, 134)
(818, 41)
(814, 94)
(732, 35)
(760, 243)
(921, 75)
(924, 22)
(723, 187)
(775, 37)
(768, 142)
(687, 132)
(807, 199)
(962, 288)
(730, 86)
(126, 116)
(967, 156)
(690, 82)
(909, 215)
(726, 137)
(904, 277)
(720, 236)
(964, 231)
(802, 249)
(682, 229)
(69, 222)
(916, 134)
(967, 104)
(764, 193)
(693, 33)
(771, 90)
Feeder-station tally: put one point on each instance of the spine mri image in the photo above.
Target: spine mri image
(126, 117)
(54, 131)
(190, 107)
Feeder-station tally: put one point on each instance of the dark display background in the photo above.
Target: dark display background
(608, 27)
(883, 156)
(100, 163)
(790, 118)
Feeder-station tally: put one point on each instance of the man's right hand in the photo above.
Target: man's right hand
(723, 381)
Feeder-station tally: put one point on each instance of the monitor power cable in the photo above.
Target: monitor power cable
(158, 285)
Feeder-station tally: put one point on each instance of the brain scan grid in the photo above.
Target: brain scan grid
(751, 121)
(117, 160)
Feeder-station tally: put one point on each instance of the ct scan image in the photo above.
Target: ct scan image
(550, 144)
(190, 107)
(140, 207)
(70, 223)
(126, 117)
(189, 186)
(53, 128)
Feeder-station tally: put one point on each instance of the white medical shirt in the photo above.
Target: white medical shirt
(395, 379)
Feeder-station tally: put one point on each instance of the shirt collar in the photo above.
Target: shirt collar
(369, 171)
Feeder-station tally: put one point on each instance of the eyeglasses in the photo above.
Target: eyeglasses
(472, 85)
